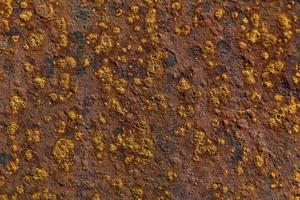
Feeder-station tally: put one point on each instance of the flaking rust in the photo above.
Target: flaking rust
(150, 99)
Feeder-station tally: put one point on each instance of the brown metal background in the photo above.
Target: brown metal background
(150, 99)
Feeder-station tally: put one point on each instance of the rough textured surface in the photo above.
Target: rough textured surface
(150, 99)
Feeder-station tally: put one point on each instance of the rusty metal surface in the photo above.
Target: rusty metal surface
(150, 99)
